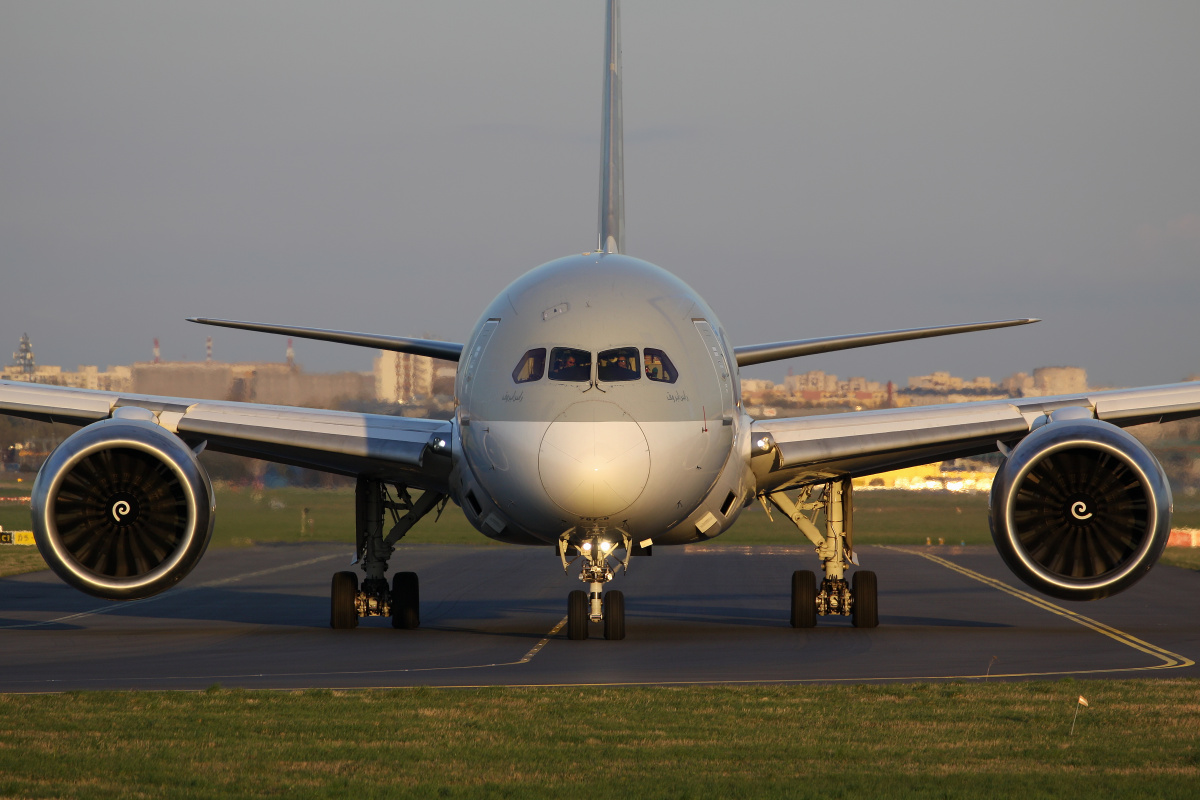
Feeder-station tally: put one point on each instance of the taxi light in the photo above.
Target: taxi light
(587, 547)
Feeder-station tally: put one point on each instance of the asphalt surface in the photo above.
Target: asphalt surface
(258, 618)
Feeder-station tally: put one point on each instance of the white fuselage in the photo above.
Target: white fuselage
(597, 392)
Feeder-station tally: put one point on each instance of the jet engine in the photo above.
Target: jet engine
(1080, 509)
(122, 509)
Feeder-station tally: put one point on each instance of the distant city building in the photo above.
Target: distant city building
(1059, 380)
(935, 382)
(268, 382)
(1046, 381)
(812, 381)
(398, 378)
(24, 368)
(945, 382)
(1018, 385)
(864, 385)
(112, 379)
(23, 358)
(403, 377)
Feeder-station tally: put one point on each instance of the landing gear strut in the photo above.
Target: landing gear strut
(595, 605)
(836, 595)
(374, 598)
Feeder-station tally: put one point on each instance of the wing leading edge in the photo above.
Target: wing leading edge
(413, 451)
(448, 351)
(777, 351)
(818, 448)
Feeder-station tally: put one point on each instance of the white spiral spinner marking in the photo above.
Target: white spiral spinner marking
(120, 509)
(1078, 508)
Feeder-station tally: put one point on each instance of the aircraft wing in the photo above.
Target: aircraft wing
(413, 451)
(817, 448)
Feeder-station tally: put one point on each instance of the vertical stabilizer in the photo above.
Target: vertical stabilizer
(612, 164)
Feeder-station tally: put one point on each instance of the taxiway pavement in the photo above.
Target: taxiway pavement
(258, 617)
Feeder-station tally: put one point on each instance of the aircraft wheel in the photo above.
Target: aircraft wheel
(614, 615)
(577, 615)
(804, 599)
(406, 600)
(866, 599)
(343, 614)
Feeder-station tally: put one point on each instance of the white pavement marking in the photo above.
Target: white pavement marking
(537, 647)
(120, 605)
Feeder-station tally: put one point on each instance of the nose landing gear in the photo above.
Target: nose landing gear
(595, 605)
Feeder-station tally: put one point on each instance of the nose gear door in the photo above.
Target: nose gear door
(721, 365)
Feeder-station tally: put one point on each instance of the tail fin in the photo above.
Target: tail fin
(612, 163)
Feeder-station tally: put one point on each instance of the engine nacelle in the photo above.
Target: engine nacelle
(1080, 509)
(122, 509)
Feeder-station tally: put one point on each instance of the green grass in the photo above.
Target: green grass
(1186, 557)
(881, 517)
(14, 516)
(1136, 739)
(15, 560)
(1186, 513)
(246, 516)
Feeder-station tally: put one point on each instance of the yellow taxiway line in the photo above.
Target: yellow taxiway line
(1169, 660)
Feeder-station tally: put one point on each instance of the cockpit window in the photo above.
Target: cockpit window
(659, 367)
(569, 364)
(531, 366)
(620, 364)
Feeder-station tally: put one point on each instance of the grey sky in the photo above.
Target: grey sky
(810, 168)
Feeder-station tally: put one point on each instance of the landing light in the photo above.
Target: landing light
(587, 547)
(607, 546)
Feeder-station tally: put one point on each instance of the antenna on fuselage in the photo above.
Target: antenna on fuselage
(612, 159)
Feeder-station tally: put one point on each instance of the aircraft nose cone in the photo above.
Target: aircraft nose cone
(594, 459)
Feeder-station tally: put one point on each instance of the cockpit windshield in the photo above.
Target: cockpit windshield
(569, 364)
(659, 367)
(531, 366)
(573, 364)
(620, 364)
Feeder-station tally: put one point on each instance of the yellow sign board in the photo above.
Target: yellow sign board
(16, 537)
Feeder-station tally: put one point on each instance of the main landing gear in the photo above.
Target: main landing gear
(857, 598)
(374, 598)
(595, 605)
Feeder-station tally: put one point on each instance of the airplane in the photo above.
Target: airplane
(598, 413)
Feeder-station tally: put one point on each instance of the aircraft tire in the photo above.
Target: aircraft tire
(406, 600)
(864, 587)
(614, 615)
(804, 599)
(577, 615)
(343, 614)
